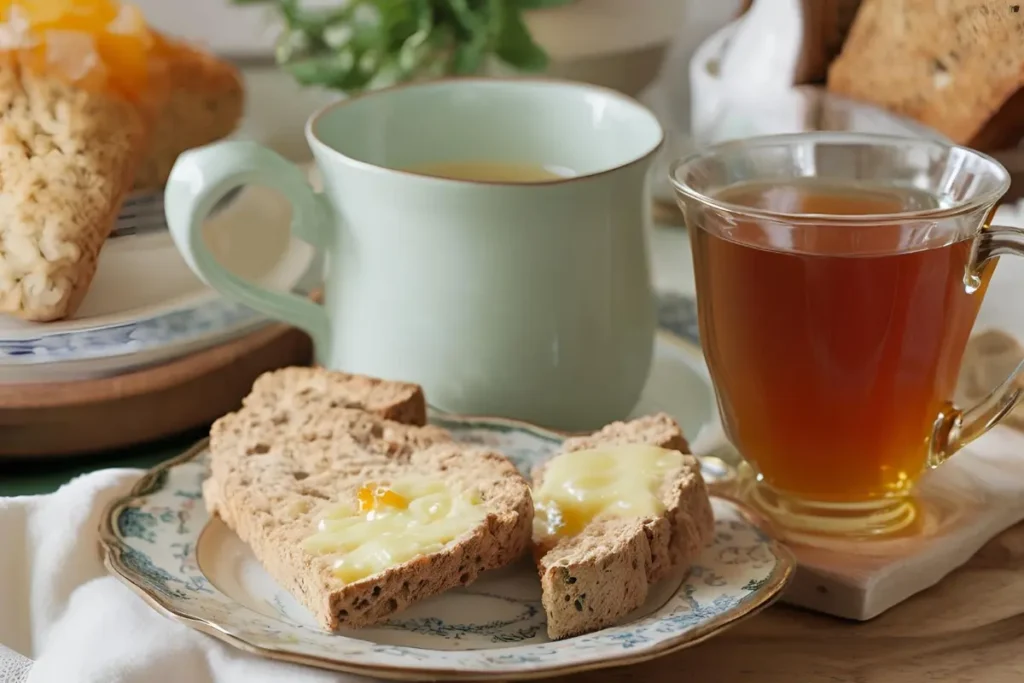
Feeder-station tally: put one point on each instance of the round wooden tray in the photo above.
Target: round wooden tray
(73, 418)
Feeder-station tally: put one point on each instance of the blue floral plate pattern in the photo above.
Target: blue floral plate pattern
(162, 543)
(176, 328)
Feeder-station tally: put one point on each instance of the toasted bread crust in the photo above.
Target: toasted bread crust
(950, 65)
(283, 459)
(591, 580)
(309, 388)
(68, 157)
(656, 430)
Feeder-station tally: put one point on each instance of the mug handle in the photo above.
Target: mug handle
(956, 428)
(201, 178)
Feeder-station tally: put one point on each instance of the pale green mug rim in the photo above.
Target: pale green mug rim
(313, 137)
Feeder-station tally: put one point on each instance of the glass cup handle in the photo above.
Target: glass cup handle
(956, 428)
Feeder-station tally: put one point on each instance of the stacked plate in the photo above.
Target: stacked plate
(145, 307)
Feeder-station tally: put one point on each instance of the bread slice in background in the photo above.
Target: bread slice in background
(205, 104)
(951, 65)
(67, 160)
(301, 446)
(1005, 130)
(591, 580)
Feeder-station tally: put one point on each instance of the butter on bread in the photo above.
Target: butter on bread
(307, 440)
(67, 159)
(951, 65)
(593, 578)
(204, 104)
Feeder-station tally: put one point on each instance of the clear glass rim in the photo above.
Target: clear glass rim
(984, 199)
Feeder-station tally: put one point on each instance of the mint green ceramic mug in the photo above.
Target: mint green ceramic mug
(527, 300)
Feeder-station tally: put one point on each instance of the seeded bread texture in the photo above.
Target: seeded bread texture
(280, 462)
(591, 580)
(67, 159)
(951, 65)
(205, 104)
(309, 388)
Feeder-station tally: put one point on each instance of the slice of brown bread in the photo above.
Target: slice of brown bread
(277, 465)
(205, 104)
(591, 580)
(67, 159)
(951, 65)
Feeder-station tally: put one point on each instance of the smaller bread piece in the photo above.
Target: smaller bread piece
(951, 65)
(591, 580)
(302, 388)
(67, 159)
(204, 104)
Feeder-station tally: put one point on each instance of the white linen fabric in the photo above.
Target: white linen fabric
(63, 619)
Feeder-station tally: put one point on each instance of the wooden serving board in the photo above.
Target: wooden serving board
(73, 418)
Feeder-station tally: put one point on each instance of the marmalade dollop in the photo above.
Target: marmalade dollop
(99, 45)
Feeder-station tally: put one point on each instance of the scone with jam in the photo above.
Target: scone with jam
(91, 98)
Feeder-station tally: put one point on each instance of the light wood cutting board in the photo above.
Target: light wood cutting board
(74, 418)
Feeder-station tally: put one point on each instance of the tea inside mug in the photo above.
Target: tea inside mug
(833, 347)
(491, 171)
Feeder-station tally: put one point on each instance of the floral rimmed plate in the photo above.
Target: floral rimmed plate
(162, 543)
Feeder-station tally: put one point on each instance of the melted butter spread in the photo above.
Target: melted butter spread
(387, 525)
(616, 481)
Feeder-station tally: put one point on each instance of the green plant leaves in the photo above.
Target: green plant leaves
(540, 4)
(355, 44)
(516, 46)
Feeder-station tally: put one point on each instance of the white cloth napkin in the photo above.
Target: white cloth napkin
(64, 620)
(13, 667)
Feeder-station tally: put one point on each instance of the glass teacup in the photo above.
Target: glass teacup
(838, 278)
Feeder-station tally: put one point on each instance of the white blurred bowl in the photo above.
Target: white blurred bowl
(619, 44)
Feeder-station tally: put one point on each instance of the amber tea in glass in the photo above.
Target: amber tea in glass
(838, 279)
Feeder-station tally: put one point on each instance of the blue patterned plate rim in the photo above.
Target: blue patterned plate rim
(614, 646)
(178, 327)
(217, 318)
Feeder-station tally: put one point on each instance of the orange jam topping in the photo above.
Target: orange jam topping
(96, 44)
(563, 521)
(373, 497)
